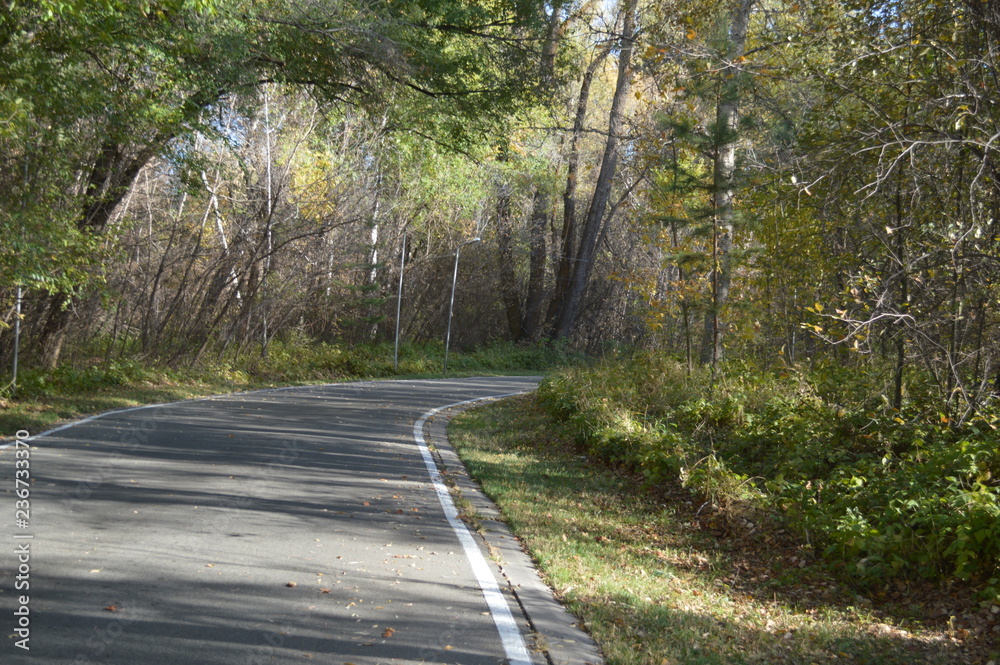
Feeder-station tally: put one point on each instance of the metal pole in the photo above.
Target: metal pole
(270, 212)
(17, 340)
(399, 303)
(451, 305)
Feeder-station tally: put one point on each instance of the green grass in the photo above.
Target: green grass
(38, 409)
(658, 583)
(83, 387)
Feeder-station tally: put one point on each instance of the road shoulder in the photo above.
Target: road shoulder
(560, 636)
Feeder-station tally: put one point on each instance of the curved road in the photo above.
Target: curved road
(280, 526)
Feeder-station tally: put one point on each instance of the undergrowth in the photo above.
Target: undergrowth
(880, 493)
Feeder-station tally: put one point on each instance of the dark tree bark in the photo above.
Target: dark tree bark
(567, 237)
(595, 220)
(509, 291)
(537, 226)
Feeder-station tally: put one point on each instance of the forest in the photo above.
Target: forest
(773, 226)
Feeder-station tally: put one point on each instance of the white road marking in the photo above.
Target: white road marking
(86, 420)
(510, 636)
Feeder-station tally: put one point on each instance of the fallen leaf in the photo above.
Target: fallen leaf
(388, 632)
(292, 584)
(325, 590)
(111, 608)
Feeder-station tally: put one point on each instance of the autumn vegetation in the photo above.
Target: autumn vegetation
(775, 223)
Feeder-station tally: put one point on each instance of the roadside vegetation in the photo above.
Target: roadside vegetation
(671, 557)
(800, 199)
(88, 386)
(883, 492)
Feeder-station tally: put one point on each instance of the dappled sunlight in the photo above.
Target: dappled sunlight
(268, 527)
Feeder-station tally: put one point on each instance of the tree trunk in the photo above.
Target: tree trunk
(110, 180)
(567, 238)
(584, 263)
(536, 264)
(724, 186)
(508, 276)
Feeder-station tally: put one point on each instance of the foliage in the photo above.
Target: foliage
(93, 95)
(884, 492)
(656, 580)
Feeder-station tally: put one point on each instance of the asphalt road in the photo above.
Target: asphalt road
(282, 526)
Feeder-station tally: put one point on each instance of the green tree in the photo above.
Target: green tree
(104, 90)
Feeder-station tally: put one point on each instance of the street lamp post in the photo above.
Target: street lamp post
(399, 303)
(451, 305)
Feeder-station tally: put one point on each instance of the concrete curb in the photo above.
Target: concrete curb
(561, 637)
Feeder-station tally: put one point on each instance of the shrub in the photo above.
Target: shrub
(885, 492)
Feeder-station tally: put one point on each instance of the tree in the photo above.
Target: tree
(726, 134)
(903, 170)
(582, 263)
(120, 83)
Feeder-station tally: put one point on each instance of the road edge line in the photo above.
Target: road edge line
(562, 635)
(510, 635)
(203, 398)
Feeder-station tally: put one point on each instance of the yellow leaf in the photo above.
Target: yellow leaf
(691, 34)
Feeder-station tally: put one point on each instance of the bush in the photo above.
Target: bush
(883, 492)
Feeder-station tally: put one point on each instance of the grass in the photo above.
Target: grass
(85, 387)
(39, 411)
(658, 580)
